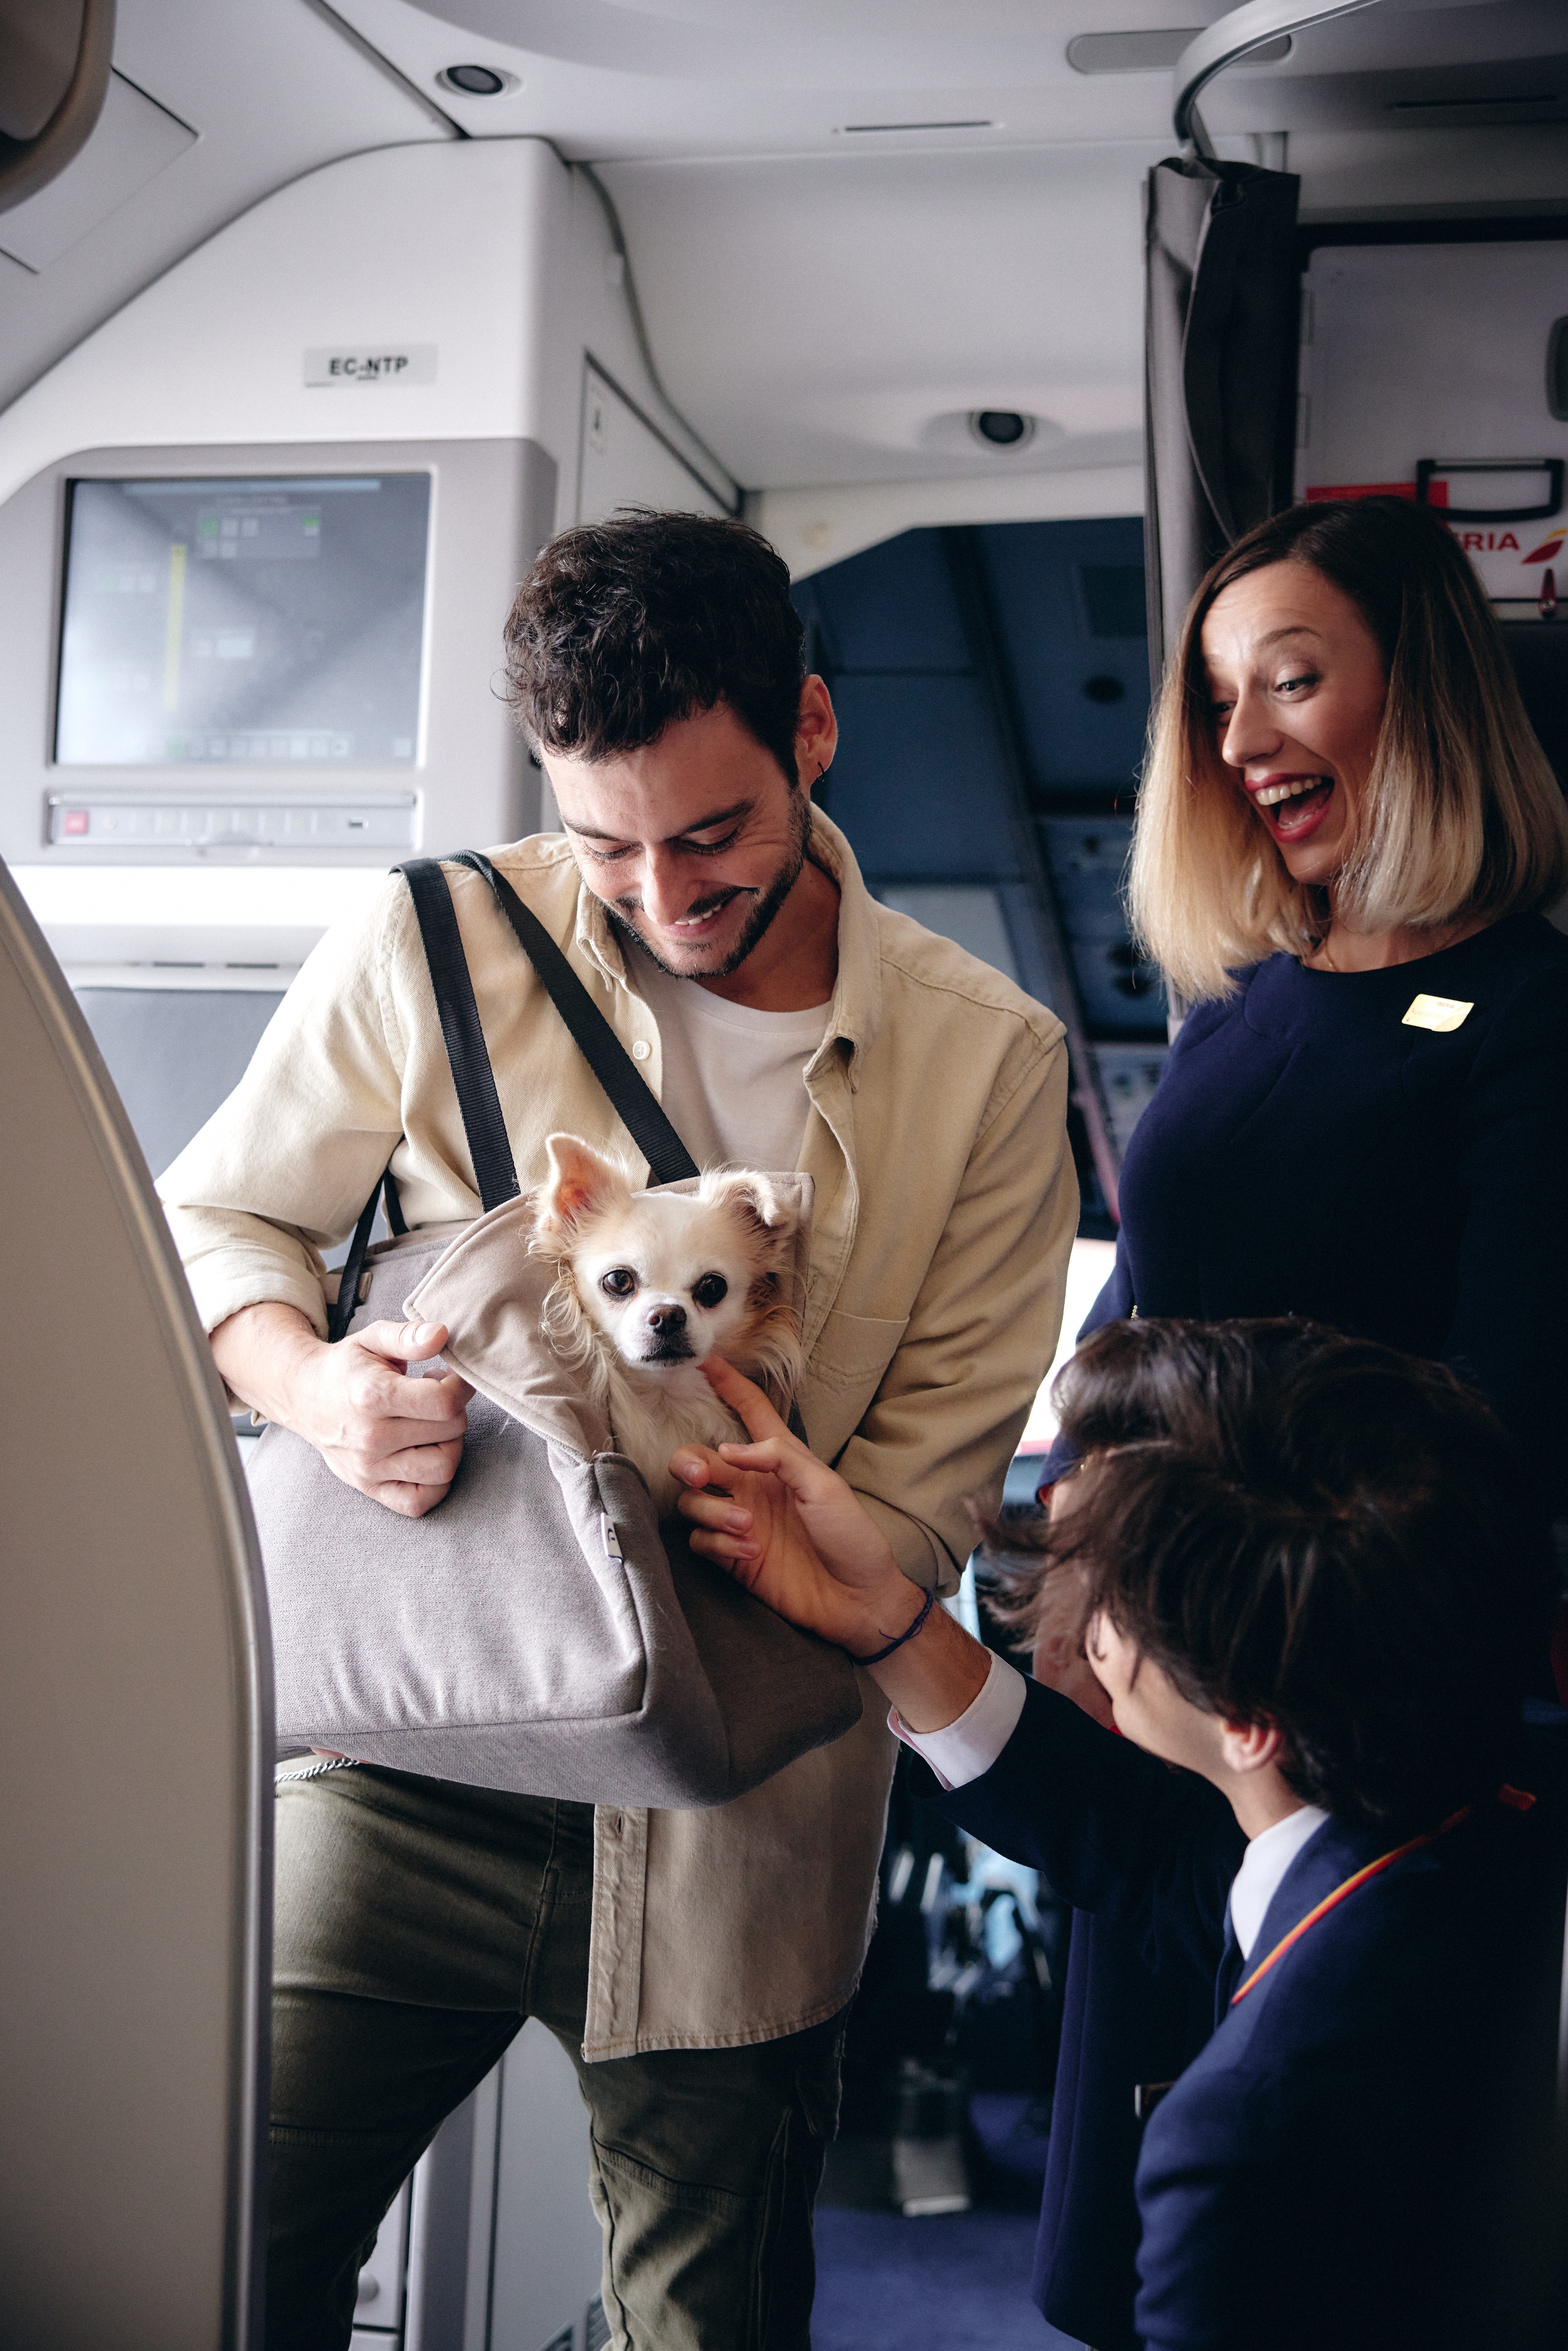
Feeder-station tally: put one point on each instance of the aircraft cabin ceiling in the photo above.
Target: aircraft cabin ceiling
(852, 222)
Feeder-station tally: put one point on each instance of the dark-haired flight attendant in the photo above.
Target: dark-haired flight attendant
(1347, 836)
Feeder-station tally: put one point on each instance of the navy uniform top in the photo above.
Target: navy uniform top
(1358, 2157)
(1307, 1152)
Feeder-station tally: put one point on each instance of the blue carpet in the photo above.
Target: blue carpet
(953, 2281)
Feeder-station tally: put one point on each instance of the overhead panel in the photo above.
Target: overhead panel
(134, 139)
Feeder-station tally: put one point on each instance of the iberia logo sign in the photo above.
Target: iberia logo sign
(1473, 541)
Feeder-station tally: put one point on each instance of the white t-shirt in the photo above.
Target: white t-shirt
(733, 1078)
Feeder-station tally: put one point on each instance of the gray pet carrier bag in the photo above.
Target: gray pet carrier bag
(537, 1631)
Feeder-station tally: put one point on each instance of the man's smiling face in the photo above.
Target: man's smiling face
(694, 842)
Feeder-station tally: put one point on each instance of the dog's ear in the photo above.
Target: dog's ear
(771, 1217)
(581, 1184)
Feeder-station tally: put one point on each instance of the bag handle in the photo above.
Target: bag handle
(630, 1096)
(495, 1169)
(341, 1312)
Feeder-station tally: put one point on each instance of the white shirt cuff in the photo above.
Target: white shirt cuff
(963, 1750)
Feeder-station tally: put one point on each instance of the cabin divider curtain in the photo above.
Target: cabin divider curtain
(1221, 332)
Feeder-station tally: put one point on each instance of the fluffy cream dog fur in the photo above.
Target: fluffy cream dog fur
(649, 1283)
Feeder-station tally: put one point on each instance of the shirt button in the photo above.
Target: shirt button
(641, 1049)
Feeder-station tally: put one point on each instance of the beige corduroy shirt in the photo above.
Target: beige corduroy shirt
(946, 1206)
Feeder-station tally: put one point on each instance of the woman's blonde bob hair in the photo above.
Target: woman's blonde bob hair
(1461, 815)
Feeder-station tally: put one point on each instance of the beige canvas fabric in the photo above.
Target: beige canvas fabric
(945, 1209)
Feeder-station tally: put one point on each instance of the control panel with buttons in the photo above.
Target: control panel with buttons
(106, 821)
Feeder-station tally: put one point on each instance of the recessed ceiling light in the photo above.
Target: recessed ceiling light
(478, 82)
(1002, 428)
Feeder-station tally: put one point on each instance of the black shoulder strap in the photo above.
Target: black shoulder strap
(630, 1096)
(495, 1169)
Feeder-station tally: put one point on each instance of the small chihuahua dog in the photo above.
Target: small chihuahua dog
(649, 1283)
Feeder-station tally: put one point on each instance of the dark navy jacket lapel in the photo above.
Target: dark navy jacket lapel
(1334, 1852)
(1232, 1971)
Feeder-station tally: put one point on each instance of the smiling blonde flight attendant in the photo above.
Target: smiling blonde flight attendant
(1346, 836)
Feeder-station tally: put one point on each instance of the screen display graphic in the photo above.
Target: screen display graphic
(267, 623)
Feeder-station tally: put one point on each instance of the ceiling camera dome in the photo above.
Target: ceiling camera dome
(477, 81)
(1002, 428)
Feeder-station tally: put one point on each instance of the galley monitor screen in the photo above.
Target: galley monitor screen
(273, 622)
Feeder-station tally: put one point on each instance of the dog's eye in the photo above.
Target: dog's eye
(710, 1288)
(618, 1283)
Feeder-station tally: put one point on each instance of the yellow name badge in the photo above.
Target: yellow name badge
(1440, 1012)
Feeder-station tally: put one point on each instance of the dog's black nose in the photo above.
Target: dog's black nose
(666, 1320)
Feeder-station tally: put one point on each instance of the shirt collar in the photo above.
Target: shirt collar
(856, 1010)
(1263, 1865)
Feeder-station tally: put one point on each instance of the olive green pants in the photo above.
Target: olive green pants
(419, 1925)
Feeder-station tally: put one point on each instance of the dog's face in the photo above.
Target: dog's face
(667, 1279)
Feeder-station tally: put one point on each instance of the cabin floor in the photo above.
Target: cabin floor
(948, 2281)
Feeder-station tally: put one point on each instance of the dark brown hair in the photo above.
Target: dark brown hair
(1312, 1530)
(623, 626)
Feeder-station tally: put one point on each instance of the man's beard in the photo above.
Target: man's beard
(766, 904)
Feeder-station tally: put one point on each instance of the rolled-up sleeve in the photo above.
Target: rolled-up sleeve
(949, 1414)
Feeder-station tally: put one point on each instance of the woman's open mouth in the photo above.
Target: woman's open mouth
(1293, 806)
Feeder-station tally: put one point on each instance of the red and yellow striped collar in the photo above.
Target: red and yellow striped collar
(1514, 1797)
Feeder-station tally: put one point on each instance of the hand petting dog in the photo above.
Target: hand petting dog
(790, 1529)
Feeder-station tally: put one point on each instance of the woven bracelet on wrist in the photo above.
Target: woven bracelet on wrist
(909, 1635)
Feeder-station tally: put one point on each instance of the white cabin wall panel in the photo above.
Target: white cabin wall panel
(834, 320)
(272, 90)
(1346, 175)
(493, 256)
(491, 251)
(461, 247)
(591, 320)
(813, 527)
(624, 463)
(1439, 352)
